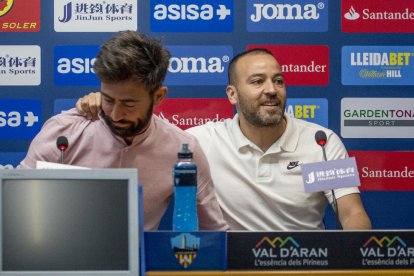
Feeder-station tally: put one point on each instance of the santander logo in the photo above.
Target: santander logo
(352, 14)
(189, 112)
(301, 64)
(372, 16)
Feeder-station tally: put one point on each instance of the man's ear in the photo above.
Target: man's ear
(231, 94)
(160, 94)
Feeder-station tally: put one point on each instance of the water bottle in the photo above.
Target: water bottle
(185, 192)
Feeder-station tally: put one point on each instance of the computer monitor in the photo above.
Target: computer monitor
(69, 222)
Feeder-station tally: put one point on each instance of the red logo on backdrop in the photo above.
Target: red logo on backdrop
(19, 16)
(385, 170)
(189, 112)
(301, 64)
(373, 16)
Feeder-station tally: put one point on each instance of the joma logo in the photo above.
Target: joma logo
(196, 65)
(285, 12)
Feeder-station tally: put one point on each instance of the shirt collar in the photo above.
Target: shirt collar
(238, 137)
(290, 138)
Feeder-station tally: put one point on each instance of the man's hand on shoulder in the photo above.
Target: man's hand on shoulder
(89, 105)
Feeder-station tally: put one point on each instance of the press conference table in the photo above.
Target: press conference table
(278, 273)
(238, 253)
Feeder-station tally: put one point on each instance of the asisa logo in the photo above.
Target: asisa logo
(19, 119)
(287, 16)
(198, 65)
(187, 16)
(73, 65)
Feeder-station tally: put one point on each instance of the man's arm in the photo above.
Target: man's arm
(352, 214)
(89, 105)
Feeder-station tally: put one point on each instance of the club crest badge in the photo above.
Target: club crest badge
(185, 247)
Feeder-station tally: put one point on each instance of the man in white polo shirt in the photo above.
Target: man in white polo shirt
(255, 157)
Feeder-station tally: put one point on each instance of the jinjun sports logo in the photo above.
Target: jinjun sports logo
(5, 6)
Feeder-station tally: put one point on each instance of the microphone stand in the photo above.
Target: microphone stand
(334, 202)
(61, 155)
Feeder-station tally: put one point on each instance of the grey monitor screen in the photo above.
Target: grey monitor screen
(68, 222)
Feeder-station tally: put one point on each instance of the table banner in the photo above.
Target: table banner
(321, 250)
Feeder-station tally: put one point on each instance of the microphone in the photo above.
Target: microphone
(321, 139)
(62, 144)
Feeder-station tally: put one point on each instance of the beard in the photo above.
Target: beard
(132, 128)
(259, 117)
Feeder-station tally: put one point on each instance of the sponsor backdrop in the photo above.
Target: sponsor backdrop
(349, 66)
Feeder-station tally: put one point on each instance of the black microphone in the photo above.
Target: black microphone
(321, 139)
(62, 144)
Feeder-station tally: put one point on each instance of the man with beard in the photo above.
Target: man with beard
(131, 68)
(255, 157)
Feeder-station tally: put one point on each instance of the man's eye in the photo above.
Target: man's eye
(280, 82)
(109, 101)
(129, 105)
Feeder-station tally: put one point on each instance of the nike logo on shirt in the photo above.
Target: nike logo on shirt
(293, 164)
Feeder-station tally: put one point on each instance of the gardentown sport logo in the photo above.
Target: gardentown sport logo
(189, 112)
(287, 252)
(192, 16)
(20, 65)
(377, 117)
(287, 16)
(185, 248)
(386, 251)
(95, 15)
(19, 119)
(19, 16)
(73, 65)
(198, 65)
(378, 65)
(372, 16)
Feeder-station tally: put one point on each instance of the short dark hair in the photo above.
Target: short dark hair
(132, 55)
(232, 66)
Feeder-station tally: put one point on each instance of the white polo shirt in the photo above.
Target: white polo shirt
(264, 190)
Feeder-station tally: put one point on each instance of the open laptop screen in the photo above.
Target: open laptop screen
(68, 222)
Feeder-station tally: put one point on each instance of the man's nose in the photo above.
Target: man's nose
(270, 87)
(117, 113)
